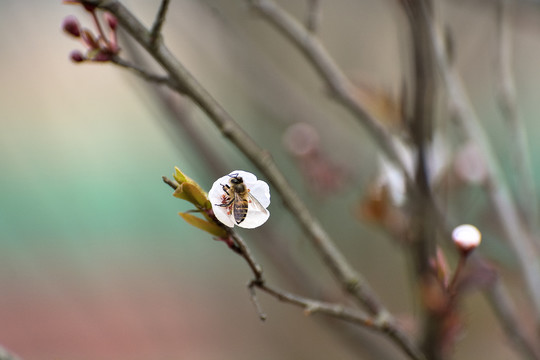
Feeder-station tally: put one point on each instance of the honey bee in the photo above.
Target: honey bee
(238, 199)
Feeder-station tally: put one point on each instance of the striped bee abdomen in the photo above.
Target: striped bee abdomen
(240, 209)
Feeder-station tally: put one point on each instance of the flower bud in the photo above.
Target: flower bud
(466, 238)
(111, 20)
(71, 26)
(77, 56)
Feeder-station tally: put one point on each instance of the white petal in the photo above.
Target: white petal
(254, 218)
(261, 192)
(215, 195)
(246, 176)
(223, 216)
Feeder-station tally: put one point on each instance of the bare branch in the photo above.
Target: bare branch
(153, 78)
(155, 33)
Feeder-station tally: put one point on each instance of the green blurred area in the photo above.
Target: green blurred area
(95, 263)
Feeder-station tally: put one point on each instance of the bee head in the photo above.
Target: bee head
(235, 179)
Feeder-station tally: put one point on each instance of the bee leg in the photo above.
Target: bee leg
(225, 188)
(226, 204)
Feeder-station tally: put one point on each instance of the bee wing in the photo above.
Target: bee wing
(256, 204)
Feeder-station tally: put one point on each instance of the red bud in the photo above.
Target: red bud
(111, 20)
(77, 56)
(71, 26)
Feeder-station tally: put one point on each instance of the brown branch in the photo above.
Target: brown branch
(153, 78)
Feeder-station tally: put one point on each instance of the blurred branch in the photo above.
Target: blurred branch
(421, 124)
(526, 252)
(382, 322)
(314, 15)
(506, 97)
(421, 131)
(155, 33)
(342, 88)
(503, 307)
(153, 78)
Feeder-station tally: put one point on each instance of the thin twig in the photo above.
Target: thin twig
(341, 312)
(506, 97)
(382, 323)
(314, 15)
(526, 252)
(246, 253)
(169, 182)
(155, 33)
(153, 78)
(255, 301)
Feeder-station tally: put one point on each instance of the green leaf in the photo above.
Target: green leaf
(181, 194)
(197, 194)
(204, 225)
(179, 176)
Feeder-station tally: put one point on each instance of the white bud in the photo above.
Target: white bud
(466, 237)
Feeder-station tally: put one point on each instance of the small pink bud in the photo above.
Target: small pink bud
(111, 20)
(466, 238)
(77, 56)
(71, 26)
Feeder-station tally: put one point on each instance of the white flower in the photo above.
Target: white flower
(222, 193)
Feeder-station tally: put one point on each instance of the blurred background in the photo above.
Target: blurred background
(95, 263)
